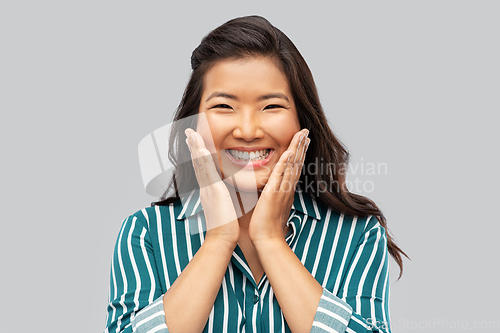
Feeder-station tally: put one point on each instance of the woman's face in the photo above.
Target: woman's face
(252, 118)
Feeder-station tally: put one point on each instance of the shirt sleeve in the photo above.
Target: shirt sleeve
(135, 297)
(151, 318)
(332, 315)
(361, 305)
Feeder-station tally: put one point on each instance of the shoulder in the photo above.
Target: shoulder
(357, 227)
(151, 217)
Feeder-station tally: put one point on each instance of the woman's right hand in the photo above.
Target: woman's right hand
(220, 215)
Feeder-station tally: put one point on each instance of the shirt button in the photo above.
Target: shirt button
(256, 298)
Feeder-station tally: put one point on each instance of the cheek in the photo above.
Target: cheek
(211, 140)
(282, 129)
(208, 139)
(210, 132)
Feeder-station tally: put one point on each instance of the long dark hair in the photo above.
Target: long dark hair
(255, 36)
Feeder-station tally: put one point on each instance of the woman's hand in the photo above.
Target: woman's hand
(273, 208)
(220, 215)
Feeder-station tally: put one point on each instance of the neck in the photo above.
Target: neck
(244, 221)
(244, 204)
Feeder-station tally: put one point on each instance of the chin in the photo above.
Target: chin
(245, 195)
(245, 179)
(244, 183)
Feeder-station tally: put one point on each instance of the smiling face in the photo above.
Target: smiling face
(252, 119)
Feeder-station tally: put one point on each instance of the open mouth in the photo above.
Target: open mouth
(251, 159)
(246, 156)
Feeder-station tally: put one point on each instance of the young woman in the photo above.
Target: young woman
(252, 238)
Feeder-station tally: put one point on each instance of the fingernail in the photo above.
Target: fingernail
(189, 132)
(304, 134)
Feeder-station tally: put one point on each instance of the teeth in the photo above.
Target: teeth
(254, 155)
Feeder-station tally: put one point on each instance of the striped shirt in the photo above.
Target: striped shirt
(346, 255)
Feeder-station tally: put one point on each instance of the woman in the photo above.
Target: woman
(275, 246)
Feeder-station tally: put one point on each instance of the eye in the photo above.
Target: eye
(273, 106)
(221, 106)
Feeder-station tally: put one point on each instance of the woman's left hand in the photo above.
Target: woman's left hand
(273, 208)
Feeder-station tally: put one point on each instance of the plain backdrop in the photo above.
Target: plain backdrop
(412, 87)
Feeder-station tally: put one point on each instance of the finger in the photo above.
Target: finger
(188, 132)
(198, 161)
(195, 156)
(194, 160)
(299, 145)
(305, 150)
(300, 153)
(290, 178)
(294, 144)
(274, 182)
(287, 179)
(208, 168)
(287, 182)
(301, 163)
(206, 164)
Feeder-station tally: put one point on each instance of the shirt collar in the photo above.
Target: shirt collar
(305, 204)
(302, 202)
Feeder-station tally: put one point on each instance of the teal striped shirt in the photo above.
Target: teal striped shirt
(346, 255)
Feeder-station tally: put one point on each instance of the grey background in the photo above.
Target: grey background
(411, 85)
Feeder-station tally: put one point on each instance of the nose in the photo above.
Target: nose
(248, 127)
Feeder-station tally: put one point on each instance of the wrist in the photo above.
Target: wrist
(268, 245)
(219, 245)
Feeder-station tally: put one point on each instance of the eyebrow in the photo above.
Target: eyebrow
(261, 98)
(276, 95)
(219, 94)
